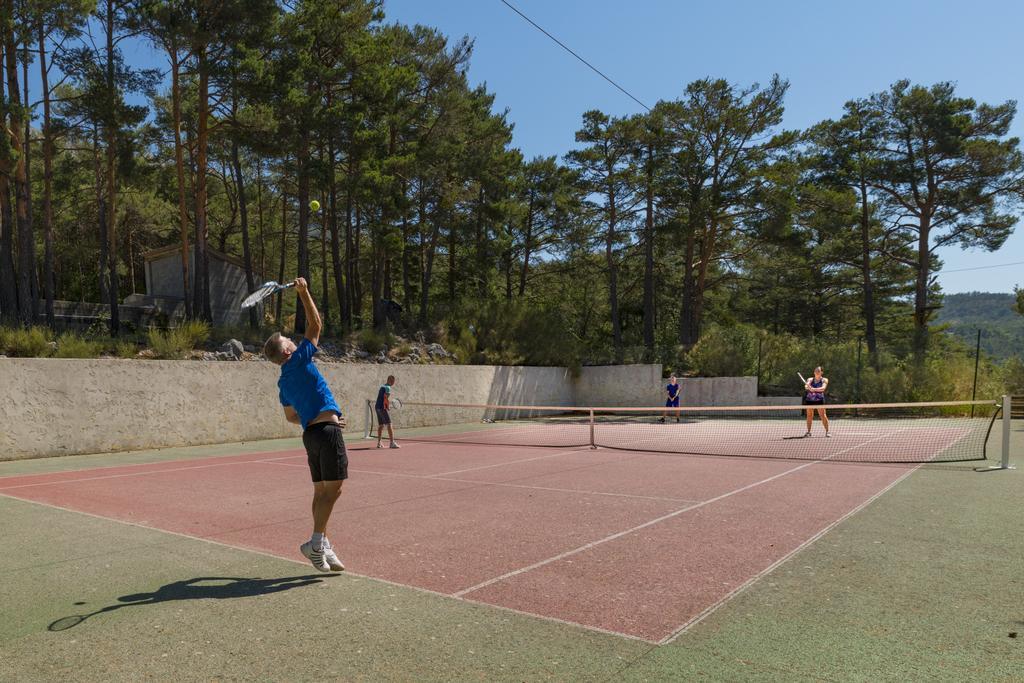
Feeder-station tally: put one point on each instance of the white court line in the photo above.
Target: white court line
(138, 474)
(663, 518)
(506, 484)
(767, 570)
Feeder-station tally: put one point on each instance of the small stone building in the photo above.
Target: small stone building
(165, 288)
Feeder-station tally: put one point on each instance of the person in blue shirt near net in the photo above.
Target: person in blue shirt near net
(673, 397)
(308, 401)
(383, 409)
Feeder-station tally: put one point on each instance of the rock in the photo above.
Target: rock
(382, 357)
(437, 350)
(226, 355)
(232, 347)
(362, 354)
(251, 348)
(209, 355)
(52, 345)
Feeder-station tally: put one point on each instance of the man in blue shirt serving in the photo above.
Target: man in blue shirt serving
(308, 401)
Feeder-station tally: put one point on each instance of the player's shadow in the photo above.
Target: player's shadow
(199, 588)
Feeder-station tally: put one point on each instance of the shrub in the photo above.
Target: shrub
(374, 342)
(125, 349)
(193, 333)
(33, 342)
(70, 345)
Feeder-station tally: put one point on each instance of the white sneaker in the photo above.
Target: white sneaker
(316, 557)
(394, 445)
(332, 560)
(379, 445)
(828, 435)
(807, 435)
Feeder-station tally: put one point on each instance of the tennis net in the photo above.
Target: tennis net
(891, 432)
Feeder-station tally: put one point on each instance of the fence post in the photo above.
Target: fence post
(1007, 410)
(977, 355)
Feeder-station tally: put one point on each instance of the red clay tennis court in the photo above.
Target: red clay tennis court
(636, 543)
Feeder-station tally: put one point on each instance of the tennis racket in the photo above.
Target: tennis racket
(264, 290)
(801, 378)
(394, 403)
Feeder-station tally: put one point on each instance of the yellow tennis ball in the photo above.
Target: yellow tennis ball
(314, 205)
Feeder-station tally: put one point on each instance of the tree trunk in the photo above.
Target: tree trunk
(303, 243)
(243, 213)
(428, 248)
(613, 275)
(649, 259)
(27, 144)
(357, 281)
(869, 289)
(349, 258)
(8, 282)
(26, 265)
(8, 276)
(527, 246)
(48, 280)
(481, 246)
(179, 167)
(406, 256)
(101, 215)
(451, 265)
(203, 307)
(332, 219)
(111, 131)
(688, 332)
(284, 247)
(921, 309)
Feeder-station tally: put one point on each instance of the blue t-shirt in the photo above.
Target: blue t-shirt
(673, 391)
(385, 390)
(303, 387)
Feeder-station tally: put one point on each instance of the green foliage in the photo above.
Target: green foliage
(177, 343)
(194, 332)
(125, 349)
(71, 345)
(1013, 375)
(374, 342)
(511, 334)
(1002, 329)
(725, 352)
(32, 342)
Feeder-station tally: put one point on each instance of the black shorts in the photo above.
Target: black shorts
(814, 404)
(383, 416)
(325, 452)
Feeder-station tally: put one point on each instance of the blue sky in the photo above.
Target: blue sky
(830, 52)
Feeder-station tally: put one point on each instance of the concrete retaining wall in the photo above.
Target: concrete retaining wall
(64, 406)
(56, 406)
(618, 385)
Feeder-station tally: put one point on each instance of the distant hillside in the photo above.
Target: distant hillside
(1002, 329)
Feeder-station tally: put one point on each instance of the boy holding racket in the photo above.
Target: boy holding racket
(308, 401)
(383, 409)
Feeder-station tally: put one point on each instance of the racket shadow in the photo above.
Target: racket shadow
(199, 588)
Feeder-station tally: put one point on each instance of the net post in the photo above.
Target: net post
(593, 443)
(367, 421)
(1007, 401)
